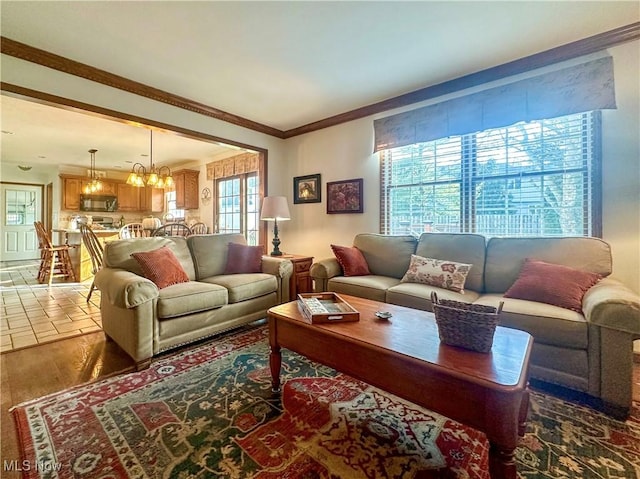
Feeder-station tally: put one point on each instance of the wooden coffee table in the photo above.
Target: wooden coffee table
(404, 356)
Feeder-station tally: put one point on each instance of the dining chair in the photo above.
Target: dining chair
(199, 229)
(55, 261)
(95, 249)
(132, 230)
(172, 229)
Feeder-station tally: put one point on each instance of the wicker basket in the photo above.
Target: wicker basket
(469, 326)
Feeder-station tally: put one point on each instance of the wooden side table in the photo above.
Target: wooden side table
(301, 281)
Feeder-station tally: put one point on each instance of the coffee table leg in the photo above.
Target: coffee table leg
(524, 412)
(275, 361)
(502, 464)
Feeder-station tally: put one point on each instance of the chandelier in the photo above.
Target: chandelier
(94, 184)
(156, 178)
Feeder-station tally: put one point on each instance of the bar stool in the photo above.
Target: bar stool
(55, 261)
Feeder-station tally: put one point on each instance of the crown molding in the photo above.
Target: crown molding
(565, 52)
(558, 54)
(72, 67)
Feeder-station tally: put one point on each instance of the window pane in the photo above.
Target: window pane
(528, 179)
(238, 202)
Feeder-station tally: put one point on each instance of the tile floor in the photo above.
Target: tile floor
(34, 313)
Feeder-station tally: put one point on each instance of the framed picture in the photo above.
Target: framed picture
(344, 196)
(306, 189)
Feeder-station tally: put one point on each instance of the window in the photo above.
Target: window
(171, 206)
(538, 178)
(238, 200)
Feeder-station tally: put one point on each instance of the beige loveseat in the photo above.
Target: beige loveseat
(590, 351)
(145, 320)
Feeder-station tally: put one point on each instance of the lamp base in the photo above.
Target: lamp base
(276, 241)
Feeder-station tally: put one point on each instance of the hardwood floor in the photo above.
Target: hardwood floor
(40, 370)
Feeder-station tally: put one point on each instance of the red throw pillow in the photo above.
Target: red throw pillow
(552, 284)
(243, 259)
(161, 266)
(351, 259)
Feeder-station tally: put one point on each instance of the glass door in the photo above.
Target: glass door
(238, 203)
(21, 205)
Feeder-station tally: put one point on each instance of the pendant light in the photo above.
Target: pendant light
(94, 185)
(156, 178)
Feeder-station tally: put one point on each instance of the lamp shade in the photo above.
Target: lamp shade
(275, 208)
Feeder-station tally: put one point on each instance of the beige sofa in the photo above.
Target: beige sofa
(145, 320)
(590, 352)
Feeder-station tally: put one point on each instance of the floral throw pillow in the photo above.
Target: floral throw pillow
(435, 272)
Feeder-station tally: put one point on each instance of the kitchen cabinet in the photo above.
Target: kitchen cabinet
(187, 190)
(128, 197)
(71, 191)
(108, 188)
(73, 187)
(152, 200)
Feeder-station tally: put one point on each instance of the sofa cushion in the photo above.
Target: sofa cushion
(161, 266)
(188, 298)
(458, 247)
(210, 252)
(552, 284)
(386, 255)
(243, 259)
(245, 286)
(418, 296)
(117, 254)
(351, 260)
(370, 287)
(548, 324)
(435, 272)
(505, 257)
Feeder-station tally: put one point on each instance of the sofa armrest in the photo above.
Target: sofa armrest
(123, 288)
(610, 304)
(323, 271)
(282, 269)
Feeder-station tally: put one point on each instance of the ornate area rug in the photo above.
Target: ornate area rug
(209, 413)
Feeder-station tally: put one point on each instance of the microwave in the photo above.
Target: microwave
(98, 203)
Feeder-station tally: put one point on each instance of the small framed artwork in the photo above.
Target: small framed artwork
(344, 196)
(306, 189)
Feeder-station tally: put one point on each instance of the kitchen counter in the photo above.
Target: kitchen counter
(80, 258)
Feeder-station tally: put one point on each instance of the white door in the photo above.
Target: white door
(21, 205)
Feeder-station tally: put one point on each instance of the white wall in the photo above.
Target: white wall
(344, 152)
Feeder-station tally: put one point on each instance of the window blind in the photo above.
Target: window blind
(581, 88)
(538, 178)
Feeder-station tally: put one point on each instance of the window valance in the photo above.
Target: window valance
(236, 165)
(585, 87)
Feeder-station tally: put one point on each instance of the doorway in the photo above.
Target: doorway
(21, 205)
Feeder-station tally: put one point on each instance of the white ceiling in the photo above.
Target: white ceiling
(282, 64)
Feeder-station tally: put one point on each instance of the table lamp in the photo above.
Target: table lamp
(275, 208)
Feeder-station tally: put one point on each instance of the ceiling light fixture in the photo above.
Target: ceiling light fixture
(94, 184)
(156, 178)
